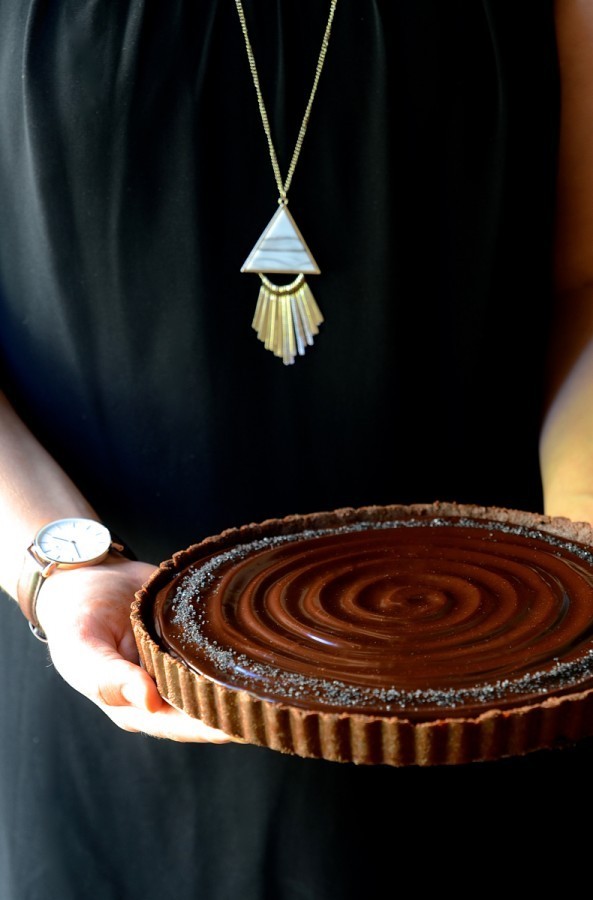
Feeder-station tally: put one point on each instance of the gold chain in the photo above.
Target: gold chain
(284, 186)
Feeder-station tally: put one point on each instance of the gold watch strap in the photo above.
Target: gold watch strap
(33, 574)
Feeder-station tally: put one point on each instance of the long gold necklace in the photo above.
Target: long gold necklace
(286, 316)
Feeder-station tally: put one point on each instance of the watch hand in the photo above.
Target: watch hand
(76, 548)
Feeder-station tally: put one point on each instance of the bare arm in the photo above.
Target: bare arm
(567, 435)
(33, 491)
(85, 612)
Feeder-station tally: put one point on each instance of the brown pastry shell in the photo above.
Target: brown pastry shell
(353, 737)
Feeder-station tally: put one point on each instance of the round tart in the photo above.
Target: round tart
(427, 634)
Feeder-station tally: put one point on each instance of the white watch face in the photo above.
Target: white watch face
(73, 541)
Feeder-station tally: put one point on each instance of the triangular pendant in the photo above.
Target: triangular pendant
(281, 248)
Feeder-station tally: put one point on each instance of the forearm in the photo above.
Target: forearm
(566, 447)
(33, 491)
(567, 435)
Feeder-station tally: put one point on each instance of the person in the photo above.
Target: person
(134, 178)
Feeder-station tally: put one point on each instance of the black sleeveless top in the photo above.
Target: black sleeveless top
(134, 181)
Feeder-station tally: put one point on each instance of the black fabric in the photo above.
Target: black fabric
(134, 180)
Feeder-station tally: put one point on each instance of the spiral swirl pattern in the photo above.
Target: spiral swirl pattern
(383, 618)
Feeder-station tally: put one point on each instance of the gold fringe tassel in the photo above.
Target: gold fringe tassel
(286, 318)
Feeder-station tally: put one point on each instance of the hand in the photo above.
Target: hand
(85, 614)
(573, 504)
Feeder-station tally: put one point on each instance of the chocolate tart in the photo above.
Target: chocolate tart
(404, 635)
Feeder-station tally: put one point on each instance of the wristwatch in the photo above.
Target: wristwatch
(63, 544)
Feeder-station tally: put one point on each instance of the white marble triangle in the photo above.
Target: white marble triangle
(281, 248)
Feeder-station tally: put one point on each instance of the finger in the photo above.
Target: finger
(168, 723)
(98, 671)
(127, 694)
(120, 683)
(130, 697)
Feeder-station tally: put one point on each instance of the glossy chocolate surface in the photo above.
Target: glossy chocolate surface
(422, 619)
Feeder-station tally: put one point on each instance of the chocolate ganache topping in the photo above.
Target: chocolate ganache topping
(415, 618)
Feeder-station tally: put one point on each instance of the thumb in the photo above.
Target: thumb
(121, 683)
(97, 671)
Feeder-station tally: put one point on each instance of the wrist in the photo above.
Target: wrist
(62, 545)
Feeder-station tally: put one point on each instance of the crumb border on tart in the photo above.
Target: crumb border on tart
(355, 737)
